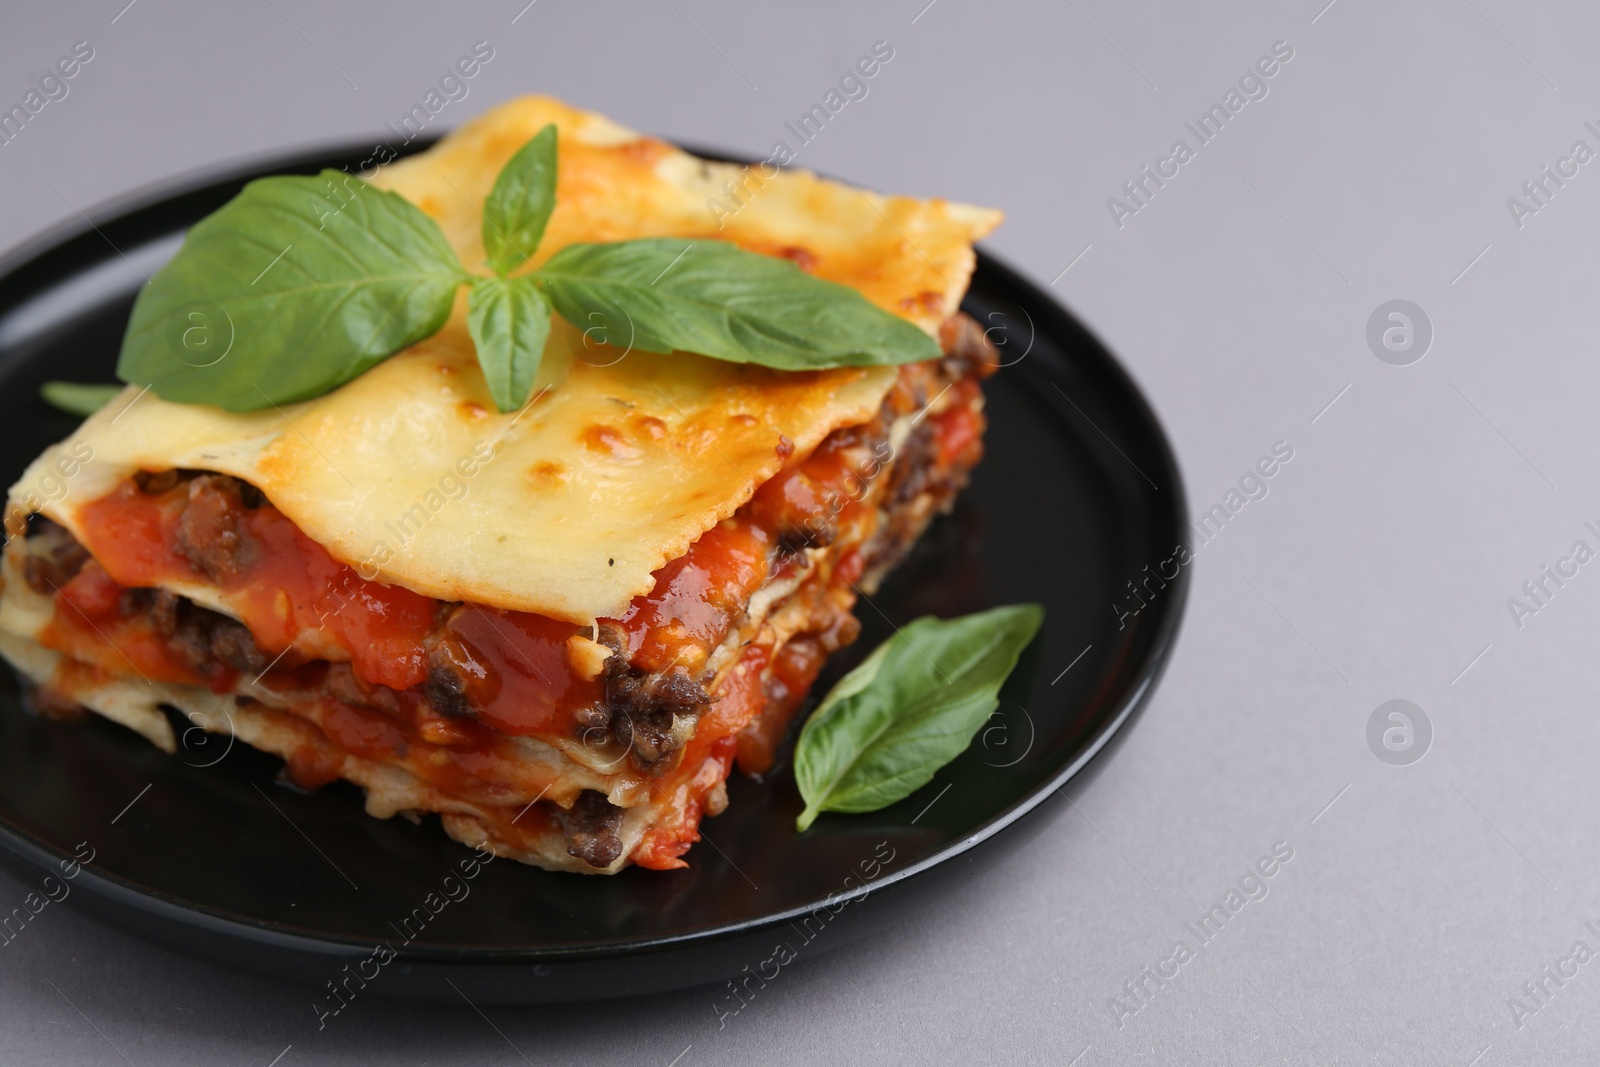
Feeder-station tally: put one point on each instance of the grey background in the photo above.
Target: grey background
(1378, 567)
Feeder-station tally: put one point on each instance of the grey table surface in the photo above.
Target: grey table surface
(1432, 909)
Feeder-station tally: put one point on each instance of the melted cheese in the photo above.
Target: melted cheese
(622, 460)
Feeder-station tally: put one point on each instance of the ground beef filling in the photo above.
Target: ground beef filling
(968, 352)
(201, 637)
(447, 687)
(208, 533)
(591, 827)
(54, 557)
(652, 715)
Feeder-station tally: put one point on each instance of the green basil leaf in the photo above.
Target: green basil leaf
(293, 287)
(78, 398)
(911, 707)
(713, 298)
(509, 319)
(518, 207)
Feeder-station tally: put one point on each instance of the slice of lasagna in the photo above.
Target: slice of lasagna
(560, 627)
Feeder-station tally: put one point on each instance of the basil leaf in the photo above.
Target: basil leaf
(293, 287)
(509, 319)
(713, 298)
(518, 207)
(78, 398)
(911, 707)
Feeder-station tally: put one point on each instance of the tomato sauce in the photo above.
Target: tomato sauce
(698, 596)
(664, 843)
(517, 670)
(291, 588)
(88, 625)
(793, 670)
(959, 428)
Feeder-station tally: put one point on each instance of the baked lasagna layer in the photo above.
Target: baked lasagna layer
(621, 459)
(572, 746)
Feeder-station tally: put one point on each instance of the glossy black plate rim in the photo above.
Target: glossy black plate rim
(43, 259)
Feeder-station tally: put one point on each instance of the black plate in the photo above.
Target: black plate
(1078, 493)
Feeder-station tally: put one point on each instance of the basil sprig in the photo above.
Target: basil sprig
(77, 398)
(299, 284)
(296, 285)
(911, 707)
(661, 294)
(519, 205)
(509, 319)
